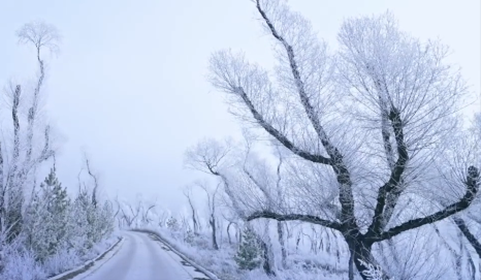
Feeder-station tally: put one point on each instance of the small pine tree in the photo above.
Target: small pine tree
(47, 218)
(58, 209)
(249, 253)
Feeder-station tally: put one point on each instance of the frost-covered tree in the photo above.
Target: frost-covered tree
(39, 224)
(20, 158)
(82, 217)
(48, 217)
(212, 200)
(90, 222)
(249, 252)
(378, 119)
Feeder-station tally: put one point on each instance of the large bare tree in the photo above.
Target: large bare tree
(376, 116)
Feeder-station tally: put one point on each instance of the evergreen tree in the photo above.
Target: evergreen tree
(58, 208)
(106, 221)
(82, 221)
(47, 218)
(249, 253)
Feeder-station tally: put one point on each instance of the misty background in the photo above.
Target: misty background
(129, 85)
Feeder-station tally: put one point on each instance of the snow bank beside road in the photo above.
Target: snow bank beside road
(220, 264)
(99, 251)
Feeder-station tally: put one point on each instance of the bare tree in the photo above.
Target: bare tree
(94, 177)
(230, 222)
(129, 214)
(117, 212)
(41, 36)
(188, 195)
(211, 194)
(146, 209)
(376, 116)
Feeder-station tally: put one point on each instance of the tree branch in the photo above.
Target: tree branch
(396, 173)
(472, 184)
(294, 217)
(278, 135)
(343, 175)
(467, 233)
(96, 183)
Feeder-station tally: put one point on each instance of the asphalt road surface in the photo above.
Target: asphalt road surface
(140, 257)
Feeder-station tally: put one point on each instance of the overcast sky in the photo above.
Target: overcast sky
(129, 84)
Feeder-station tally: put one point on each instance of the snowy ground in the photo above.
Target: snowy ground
(141, 257)
(222, 264)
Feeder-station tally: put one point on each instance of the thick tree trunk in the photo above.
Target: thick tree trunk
(361, 253)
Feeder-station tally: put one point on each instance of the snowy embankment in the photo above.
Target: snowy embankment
(21, 265)
(220, 264)
(98, 251)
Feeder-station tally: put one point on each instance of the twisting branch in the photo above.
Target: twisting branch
(294, 217)
(395, 178)
(41, 35)
(336, 159)
(277, 134)
(472, 184)
(96, 183)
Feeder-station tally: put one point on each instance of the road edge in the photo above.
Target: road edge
(86, 266)
(209, 274)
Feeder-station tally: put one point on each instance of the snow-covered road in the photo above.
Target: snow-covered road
(141, 258)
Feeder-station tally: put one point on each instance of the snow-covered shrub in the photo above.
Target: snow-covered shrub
(173, 224)
(189, 237)
(63, 260)
(21, 264)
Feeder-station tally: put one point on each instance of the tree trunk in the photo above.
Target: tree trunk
(351, 267)
(363, 258)
(268, 269)
(280, 234)
(194, 221)
(214, 239)
(228, 232)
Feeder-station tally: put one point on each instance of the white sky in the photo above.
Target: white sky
(129, 84)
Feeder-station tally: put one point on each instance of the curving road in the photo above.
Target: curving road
(140, 257)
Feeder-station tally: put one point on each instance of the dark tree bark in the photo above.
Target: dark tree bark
(280, 234)
(195, 224)
(214, 235)
(267, 259)
(467, 233)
